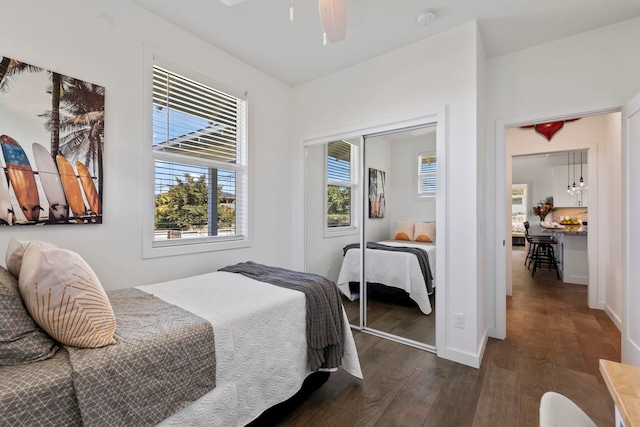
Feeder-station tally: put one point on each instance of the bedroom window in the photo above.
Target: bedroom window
(427, 174)
(342, 158)
(200, 158)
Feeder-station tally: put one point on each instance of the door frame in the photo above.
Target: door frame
(630, 272)
(501, 275)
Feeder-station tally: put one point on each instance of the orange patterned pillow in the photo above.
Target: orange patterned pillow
(64, 297)
(425, 232)
(404, 230)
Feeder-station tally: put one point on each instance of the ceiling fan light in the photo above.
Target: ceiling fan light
(333, 15)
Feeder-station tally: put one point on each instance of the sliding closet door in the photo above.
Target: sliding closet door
(333, 217)
(358, 191)
(399, 168)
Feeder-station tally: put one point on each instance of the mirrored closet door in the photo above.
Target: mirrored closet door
(377, 190)
(399, 228)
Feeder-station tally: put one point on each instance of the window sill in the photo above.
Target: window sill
(192, 246)
(343, 231)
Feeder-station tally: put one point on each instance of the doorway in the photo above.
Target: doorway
(599, 133)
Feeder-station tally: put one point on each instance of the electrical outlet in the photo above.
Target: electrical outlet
(459, 320)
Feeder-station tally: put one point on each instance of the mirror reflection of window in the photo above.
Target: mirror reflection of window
(427, 175)
(341, 184)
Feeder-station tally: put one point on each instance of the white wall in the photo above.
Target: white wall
(439, 71)
(103, 42)
(535, 171)
(406, 206)
(591, 72)
(378, 156)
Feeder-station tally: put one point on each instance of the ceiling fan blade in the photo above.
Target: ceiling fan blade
(333, 14)
(232, 2)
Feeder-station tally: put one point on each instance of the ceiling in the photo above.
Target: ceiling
(259, 32)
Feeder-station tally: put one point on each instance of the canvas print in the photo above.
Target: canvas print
(376, 193)
(51, 138)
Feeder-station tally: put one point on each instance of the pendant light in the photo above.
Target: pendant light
(581, 180)
(574, 187)
(568, 184)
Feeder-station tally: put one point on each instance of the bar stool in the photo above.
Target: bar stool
(544, 256)
(540, 252)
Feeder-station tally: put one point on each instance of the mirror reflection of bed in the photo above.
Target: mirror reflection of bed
(384, 201)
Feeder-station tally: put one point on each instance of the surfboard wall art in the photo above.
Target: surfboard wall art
(51, 144)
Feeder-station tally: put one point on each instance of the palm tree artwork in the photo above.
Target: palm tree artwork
(52, 138)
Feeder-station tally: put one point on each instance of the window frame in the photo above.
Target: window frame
(354, 185)
(173, 247)
(420, 195)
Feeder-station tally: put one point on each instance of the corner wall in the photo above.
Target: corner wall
(439, 71)
(103, 42)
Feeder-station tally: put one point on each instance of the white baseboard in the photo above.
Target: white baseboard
(614, 318)
(465, 357)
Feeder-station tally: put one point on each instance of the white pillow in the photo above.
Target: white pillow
(404, 230)
(64, 297)
(425, 232)
(15, 252)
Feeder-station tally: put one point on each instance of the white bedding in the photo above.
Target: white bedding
(397, 269)
(260, 338)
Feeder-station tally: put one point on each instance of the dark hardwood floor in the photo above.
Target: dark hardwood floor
(553, 343)
(403, 320)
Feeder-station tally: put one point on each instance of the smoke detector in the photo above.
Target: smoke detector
(426, 17)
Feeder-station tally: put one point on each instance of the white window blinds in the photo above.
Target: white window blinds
(199, 148)
(427, 174)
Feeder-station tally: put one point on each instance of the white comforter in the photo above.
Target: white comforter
(397, 269)
(261, 350)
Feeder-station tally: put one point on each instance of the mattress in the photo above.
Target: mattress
(260, 342)
(396, 269)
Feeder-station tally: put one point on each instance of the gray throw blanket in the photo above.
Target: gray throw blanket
(421, 255)
(164, 359)
(324, 309)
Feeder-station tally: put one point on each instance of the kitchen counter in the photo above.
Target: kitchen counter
(570, 251)
(580, 231)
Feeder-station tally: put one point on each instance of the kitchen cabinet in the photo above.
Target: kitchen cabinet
(572, 254)
(561, 198)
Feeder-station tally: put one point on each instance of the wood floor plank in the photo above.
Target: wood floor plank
(569, 352)
(538, 376)
(413, 402)
(559, 318)
(458, 397)
(585, 391)
(529, 411)
(499, 398)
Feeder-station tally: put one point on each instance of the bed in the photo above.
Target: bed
(395, 269)
(259, 343)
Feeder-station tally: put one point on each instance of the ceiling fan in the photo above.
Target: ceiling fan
(333, 15)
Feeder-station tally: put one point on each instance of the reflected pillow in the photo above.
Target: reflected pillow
(425, 232)
(64, 297)
(404, 230)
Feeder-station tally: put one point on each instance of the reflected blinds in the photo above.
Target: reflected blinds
(427, 172)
